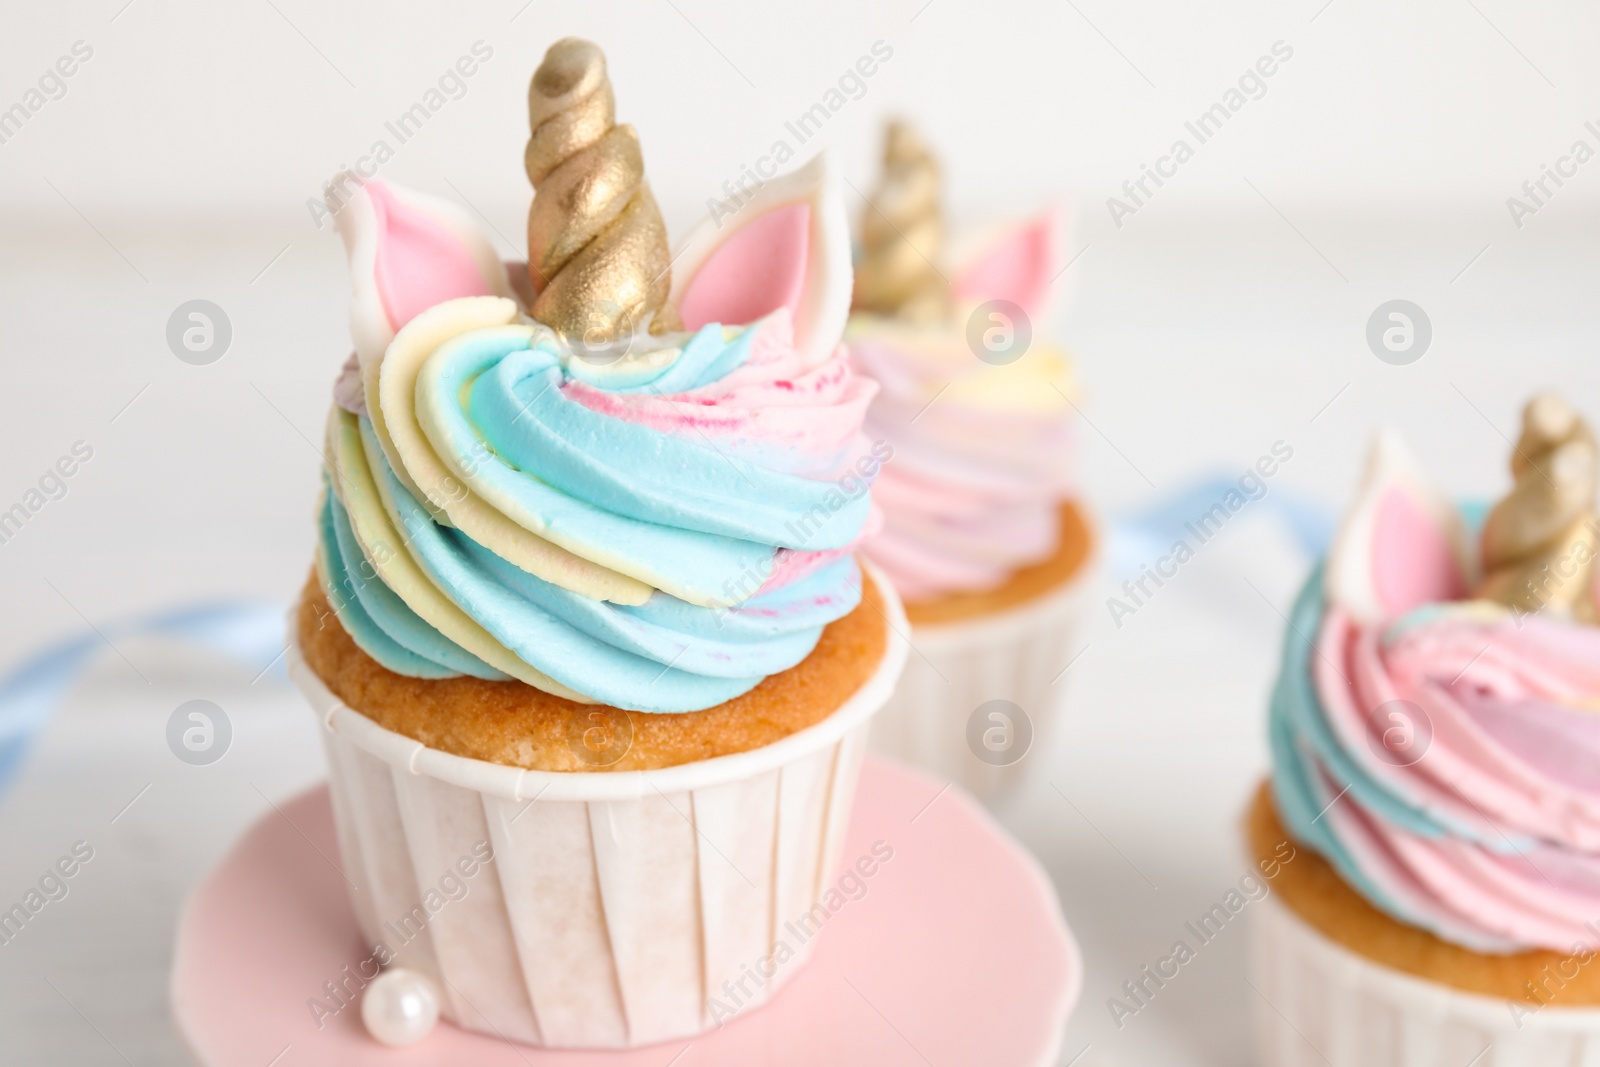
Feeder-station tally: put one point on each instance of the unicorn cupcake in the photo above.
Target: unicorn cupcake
(586, 588)
(984, 535)
(1436, 756)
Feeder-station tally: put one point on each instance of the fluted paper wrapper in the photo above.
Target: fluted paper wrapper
(616, 904)
(1020, 655)
(1320, 1005)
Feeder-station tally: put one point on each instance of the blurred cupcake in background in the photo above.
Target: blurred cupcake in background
(1434, 810)
(983, 536)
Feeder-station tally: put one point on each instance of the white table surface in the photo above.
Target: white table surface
(1200, 345)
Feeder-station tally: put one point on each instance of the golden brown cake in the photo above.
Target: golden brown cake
(1313, 890)
(520, 726)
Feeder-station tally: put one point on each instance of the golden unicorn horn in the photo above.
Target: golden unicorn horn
(597, 247)
(1539, 542)
(902, 234)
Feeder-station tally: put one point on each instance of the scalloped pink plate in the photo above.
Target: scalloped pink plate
(957, 953)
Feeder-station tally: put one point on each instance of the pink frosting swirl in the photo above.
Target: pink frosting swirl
(981, 458)
(1490, 832)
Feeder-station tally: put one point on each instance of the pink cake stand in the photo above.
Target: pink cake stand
(957, 954)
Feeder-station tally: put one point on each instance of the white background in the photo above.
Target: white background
(1228, 314)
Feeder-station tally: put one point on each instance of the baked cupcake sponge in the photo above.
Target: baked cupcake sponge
(517, 725)
(1314, 891)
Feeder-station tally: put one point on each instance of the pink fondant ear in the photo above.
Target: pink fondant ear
(1018, 266)
(758, 270)
(786, 245)
(1402, 543)
(419, 262)
(1413, 562)
(407, 252)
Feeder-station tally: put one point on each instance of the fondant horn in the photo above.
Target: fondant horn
(597, 247)
(902, 234)
(1539, 542)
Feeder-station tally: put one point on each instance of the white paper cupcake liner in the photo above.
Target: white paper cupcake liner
(1019, 655)
(617, 903)
(1320, 1005)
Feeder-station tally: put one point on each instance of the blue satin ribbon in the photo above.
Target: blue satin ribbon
(251, 632)
(1148, 534)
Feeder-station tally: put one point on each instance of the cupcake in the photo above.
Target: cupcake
(1433, 816)
(983, 536)
(587, 611)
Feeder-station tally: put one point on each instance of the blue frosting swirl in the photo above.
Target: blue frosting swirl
(691, 517)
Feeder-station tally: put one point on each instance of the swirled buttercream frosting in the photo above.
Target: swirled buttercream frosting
(981, 436)
(1442, 752)
(656, 522)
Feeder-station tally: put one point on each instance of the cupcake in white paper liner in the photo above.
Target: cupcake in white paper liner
(1318, 1004)
(983, 534)
(603, 910)
(978, 695)
(588, 628)
(1436, 771)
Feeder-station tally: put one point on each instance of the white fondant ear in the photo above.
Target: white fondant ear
(1016, 262)
(407, 252)
(1401, 544)
(787, 245)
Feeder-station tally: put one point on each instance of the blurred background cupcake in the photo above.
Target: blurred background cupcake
(983, 535)
(1433, 817)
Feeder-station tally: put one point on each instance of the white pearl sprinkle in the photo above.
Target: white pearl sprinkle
(400, 1007)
